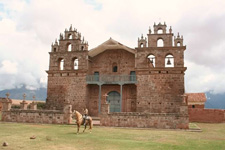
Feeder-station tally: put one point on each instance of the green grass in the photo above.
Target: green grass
(63, 137)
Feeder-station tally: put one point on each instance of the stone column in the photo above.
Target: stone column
(121, 96)
(105, 109)
(23, 105)
(99, 100)
(33, 106)
(6, 105)
(67, 110)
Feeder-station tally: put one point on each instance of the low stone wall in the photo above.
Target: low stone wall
(144, 120)
(0, 106)
(206, 115)
(36, 116)
(33, 116)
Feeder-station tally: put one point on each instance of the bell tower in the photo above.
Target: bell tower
(160, 33)
(160, 71)
(67, 70)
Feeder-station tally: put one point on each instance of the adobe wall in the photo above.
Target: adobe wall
(103, 62)
(128, 99)
(206, 115)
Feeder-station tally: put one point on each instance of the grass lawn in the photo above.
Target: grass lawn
(63, 137)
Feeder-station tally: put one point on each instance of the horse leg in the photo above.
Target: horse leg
(85, 126)
(90, 125)
(78, 127)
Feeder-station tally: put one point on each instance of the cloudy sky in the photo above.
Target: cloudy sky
(28, 27)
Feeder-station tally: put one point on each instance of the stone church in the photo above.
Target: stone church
(145, 79)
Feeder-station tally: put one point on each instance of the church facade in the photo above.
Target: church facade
(145, 79)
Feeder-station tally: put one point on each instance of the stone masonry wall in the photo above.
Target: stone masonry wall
(38, 116)
(68, 87)
(33, 116)
(206, 115)
(160, 92)
(145, 120)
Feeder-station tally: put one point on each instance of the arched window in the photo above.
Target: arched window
(160, 43)
(114, 67)
(61, 64)
(169, 61)
(69, 47)
(70, 36)
(75, 63)
(178, 44)
(151, 60)
(141, 45)
(160, 31)
(82, 47)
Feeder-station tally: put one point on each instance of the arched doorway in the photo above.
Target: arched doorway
(113, 100)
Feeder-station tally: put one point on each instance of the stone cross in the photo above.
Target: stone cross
(7, 95)
(105, 95)
(24, 96)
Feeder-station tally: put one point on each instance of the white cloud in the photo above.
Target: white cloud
(8, 67)
(27, 29)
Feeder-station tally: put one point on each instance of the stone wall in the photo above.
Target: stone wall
(206, 115)
(0, 106)
(68, 87)
(37, 116)
(160, 92)
(145, 120)
(33, 116)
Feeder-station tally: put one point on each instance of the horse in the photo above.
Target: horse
(80, 121)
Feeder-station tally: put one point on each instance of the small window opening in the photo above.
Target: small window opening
(178, 44)
(114, 67)
(151, 60)
(82, 47)
(54, 49)
(141, 45)
(193, 106)
(75, 64)
(169, 61)
(160, 43)
(61, 65)
(70, 36)
(69, 48)
(160, 31)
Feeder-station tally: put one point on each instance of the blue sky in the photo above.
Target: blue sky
(28, 27)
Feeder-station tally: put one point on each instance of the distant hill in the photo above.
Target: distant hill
(17, 93)
(215, 101)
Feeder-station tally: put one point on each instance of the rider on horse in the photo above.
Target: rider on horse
(85, 115)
